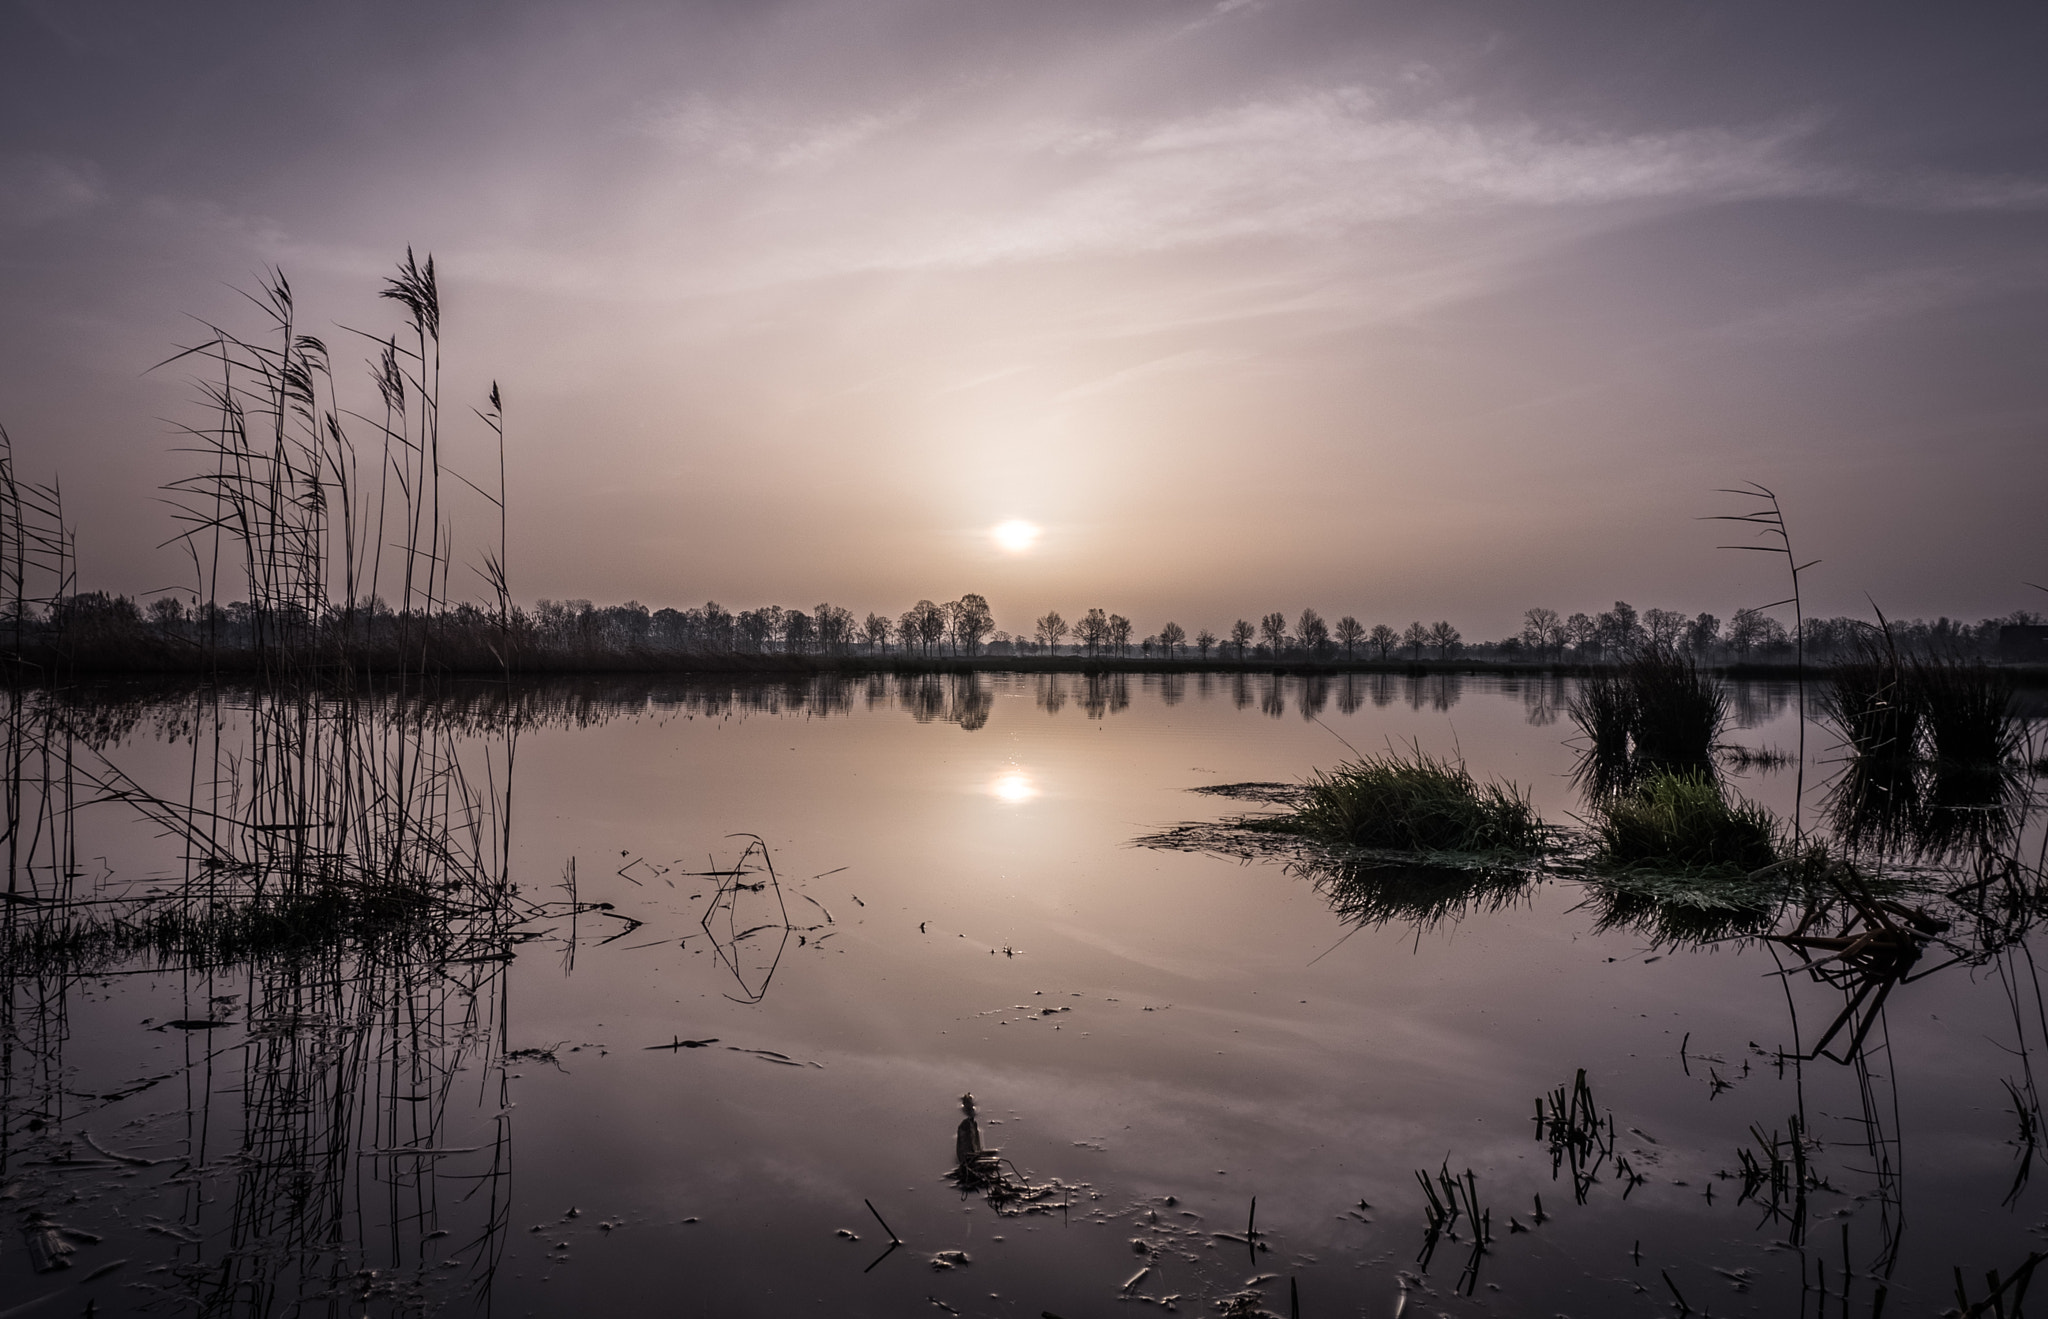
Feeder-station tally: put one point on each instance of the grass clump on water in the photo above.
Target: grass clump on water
(1411, 803)
(1659, 712)
(1681, 822)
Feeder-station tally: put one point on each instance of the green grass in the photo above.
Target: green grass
(1411, 803)
(1683, 823)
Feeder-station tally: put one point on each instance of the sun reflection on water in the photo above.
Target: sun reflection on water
(1014, 786)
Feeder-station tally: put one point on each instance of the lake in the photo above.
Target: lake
(710, 1056)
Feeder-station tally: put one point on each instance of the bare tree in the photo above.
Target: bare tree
(877, 630)
(1274, 628)
(1313, 631)
(1416, 638)
(1445, 638)
(1620, 630)
(1580, 631)
(1093, 633)
(1052, 629)
(922, 625)
(969, 621)
(1241, 634)
(1383, 639)
(1205, 640)
(1665, 627)
(1542, 630)
(1349, 633)
(1119, 632)
(835, 628)
(1701, 634)
(1749, 629)
(1171, 636)
(797, 631)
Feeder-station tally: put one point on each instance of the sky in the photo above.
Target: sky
(1407, 311)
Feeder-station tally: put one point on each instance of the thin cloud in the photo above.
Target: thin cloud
(37, 189)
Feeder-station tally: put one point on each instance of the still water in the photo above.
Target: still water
(844, 906)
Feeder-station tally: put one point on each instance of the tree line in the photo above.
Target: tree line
(965, 627)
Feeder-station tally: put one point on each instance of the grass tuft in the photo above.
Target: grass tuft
(1659, 712)
(1411, 803)
(1683, 823)
(1969, 713)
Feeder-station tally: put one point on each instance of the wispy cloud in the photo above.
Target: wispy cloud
(37, 189)
(753, 136)
(913, 190)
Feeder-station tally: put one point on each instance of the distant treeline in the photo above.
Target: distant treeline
(91, 630)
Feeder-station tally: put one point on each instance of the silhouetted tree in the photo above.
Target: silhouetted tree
(1580, 631)
(1313, 631)
(1383, 639)
(1119, 633)
(1274, 628)
(1172, 636)
(1416, 638)
(1093, 633)
(797, 631)
(1663, 628)
(969, 620)
(1752, 629)
(718, 626)
(1543, 631)
(1701, 634)
(1241, 634)
(756, 626)
(1620, 631)
(1445, 638)
(1349, 633)
(922, 625)
(1052, 629)
(877, 630)
(1204, 641)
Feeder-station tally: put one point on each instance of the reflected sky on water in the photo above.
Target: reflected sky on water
(805, 925)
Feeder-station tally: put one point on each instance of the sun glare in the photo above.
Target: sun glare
(1016, 535)
(1014, 786)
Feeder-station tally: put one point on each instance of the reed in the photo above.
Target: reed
(1875, 706)
(1412, 803)
(1934, 749)
(1684, 823)
(1658, 712)
(1968, 712)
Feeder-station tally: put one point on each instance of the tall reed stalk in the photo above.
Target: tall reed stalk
(1768, 518)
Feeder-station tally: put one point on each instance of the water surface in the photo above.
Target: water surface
(1153, 1039)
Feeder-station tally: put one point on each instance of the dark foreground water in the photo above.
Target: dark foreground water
(1154, 1040)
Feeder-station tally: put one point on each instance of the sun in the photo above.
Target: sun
(1016, 535)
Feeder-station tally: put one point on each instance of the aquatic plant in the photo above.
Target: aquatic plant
(1411, 803)
(1678, 712)
(1658, 712)
(1874, 705)
(1683, 822)
(1933, 748)
(1968, 712)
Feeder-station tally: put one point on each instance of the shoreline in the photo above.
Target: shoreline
(241, 666)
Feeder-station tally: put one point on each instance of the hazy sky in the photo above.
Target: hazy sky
(1426, 310)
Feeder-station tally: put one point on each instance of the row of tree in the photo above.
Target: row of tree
(966, 627)
(1110, 634)
(1621, 632)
